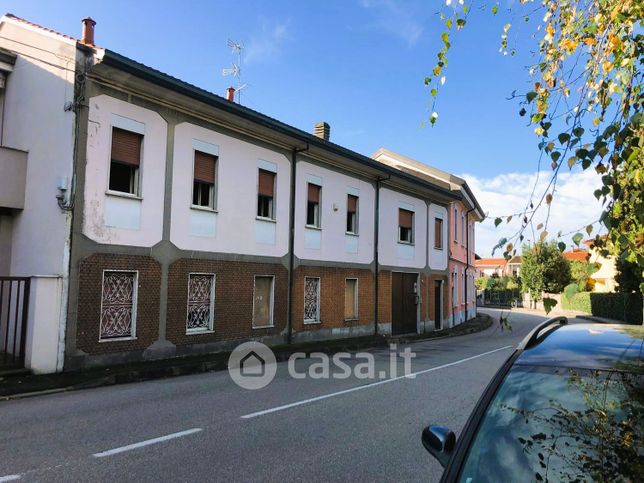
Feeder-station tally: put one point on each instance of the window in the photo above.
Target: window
(438, 233)
(313, 205)
(463, 228)
(125, 161)
(454, 289)
(311, 300)
(455, 224)
(263, 301)
(205, 170)
(265, 194)
(352, 214)
(118, 305)
(201, 302)
(464, 280)
(351, 299)
(405, 226)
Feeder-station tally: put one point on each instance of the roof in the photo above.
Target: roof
(589, 346)
(39, 27)
(489, 262)
(407, 164)
(576, 255)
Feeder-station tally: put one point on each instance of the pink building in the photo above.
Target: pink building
(462, 272)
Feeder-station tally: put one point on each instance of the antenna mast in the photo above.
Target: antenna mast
(236, 68)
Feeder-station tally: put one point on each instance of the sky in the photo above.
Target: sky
(358, 65)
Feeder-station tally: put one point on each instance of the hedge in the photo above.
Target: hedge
(626, 307)
(580, 302)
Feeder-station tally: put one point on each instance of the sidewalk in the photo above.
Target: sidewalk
(24, 384)
(559, 313)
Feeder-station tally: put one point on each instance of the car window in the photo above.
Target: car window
(560, 424)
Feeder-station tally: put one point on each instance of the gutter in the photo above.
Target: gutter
(291, 244)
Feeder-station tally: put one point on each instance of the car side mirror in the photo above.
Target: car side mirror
(440, 442)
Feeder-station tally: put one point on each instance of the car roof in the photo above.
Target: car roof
(590, 346)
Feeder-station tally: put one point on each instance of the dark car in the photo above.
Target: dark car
(568, 405)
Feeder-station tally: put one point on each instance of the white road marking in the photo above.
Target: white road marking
(9, 478)
(147, 442)
(366, 386)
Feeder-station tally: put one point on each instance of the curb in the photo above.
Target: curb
(218, 362)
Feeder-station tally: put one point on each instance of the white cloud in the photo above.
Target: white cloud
(573, 206)
(397, 19)
(268, 42)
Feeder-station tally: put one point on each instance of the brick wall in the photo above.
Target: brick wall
(384, 297)
(332, 284)
(89, 302)
(234, 285)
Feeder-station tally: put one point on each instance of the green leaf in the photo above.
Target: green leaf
(460, 23)
(578, 131)
(497, 222)
(589, 229)
(495, 9)
(577, 238)
(555, 156)
(434, 92)
(530, 96)
(564, 137)
(570, 290)
(562, 246)
(445, 37)
(549, 304)
(448, 23)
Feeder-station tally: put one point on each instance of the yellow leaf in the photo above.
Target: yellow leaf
(543, 235)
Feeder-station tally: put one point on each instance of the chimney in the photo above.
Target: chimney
(322, 130)
(230, 94)
(88, 31)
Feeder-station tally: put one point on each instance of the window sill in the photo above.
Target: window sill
(350, 233)
(401, 242)
(203, 208)
(121, 194)
(116, 339)
(263, 326)
(438, 248)
(313, 227)
(312, 322)
(269, 220)
(199, 331)
(352, 319)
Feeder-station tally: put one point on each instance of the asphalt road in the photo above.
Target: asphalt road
(206, 428)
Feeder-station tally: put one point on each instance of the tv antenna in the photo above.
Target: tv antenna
(235, 70)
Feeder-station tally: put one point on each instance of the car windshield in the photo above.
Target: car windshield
(560, 424)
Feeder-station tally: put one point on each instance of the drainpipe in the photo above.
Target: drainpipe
(467, 255)
(375, 251)
(291, 244)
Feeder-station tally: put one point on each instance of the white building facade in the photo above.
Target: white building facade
(187, 223)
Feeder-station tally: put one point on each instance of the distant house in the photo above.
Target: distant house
(499, 266)
(576, 255)
(603, 279)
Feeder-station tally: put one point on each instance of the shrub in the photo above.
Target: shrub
(579, 302)
(626, 307)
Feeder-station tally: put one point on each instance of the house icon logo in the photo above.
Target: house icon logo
(252, 365)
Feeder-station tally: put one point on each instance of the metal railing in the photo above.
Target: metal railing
(14, 311)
